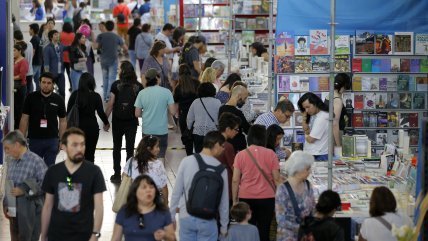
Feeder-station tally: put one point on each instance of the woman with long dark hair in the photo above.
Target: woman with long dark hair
(315, 116)
(259, 50)
(77, 59)
(275, 133)
(184, 94)
(145, 161)
(144, 216)
(224, 93)
(88, 102)
(158, 61)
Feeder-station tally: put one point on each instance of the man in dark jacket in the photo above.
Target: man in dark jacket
(53, 60)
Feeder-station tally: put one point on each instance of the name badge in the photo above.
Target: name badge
(43, 123)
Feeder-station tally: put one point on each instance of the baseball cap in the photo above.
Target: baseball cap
(151, 73)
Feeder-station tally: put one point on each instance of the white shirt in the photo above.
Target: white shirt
(373, 230)
(319, 131)
(156, 171)
(163, 37)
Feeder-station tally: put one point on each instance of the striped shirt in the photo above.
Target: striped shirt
(267, 119)
(30, 166)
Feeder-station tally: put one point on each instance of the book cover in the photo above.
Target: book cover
(248, 37)
(294, 83)
(364, 42)
(342, 63)
(357, 120)
(393, 101)
(348, 146)
(414, 119)
(371, 135)
(415, 65)
(324, 95)
(393, 137)
(299, 136)
(358, 101)
(385, 65)
(313, 83)
(301, 45)
(383, 44)
(374, 84)
(284, 64)
(323, 83)
(412, 83)
(391, 84)
(285, 44)
(357, 83)
(294, 98)
(366, 83)
(424, 65)
(288, 137)
(357, 65)
(373, 118)
(367, 65)
(348, 99)
(405, 65)
(405, 100)
(413, 137)
(403, 82)
(376, 65)
(342, 44)
(383, 84)
(283, 83)
(421, 44)
(403, 43)
(381, 137)
(362, 146)
(298, 119)
(318, 42)
(302, 64)
(381, 100)
(382, 119)
(392, 119)
(320, 64)
(304, 84)
(404, 120)
(422, 83)
(395, 65)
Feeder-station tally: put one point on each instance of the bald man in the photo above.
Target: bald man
(239, 95)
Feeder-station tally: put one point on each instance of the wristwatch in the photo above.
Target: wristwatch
(97, 234)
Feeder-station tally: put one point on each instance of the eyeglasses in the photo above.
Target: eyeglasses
(141, 221)
(69, 183)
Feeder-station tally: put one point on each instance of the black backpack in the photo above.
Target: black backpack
(205, 191)
(121, 17)
(123, 108)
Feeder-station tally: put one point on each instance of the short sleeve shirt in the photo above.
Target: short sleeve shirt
(382, 233)
(43, 109)
(153, 221)
(115, 91)
(38, 55)
(191, 56)
(320, 132)
(156, 171)
(109, 43)
(72, 215)
(163, 37)
(154, 102)
(122, 8)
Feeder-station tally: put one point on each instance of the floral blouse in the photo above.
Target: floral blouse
(287, 226)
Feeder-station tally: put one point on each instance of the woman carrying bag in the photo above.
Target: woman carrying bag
(78, 58)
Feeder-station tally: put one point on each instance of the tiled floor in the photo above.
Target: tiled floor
(105, 162)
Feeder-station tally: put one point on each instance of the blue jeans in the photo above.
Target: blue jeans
(163, 143)
(47, 149)
(37, 69)
(132, 57)
(197, 229)
(109, 76)
(75, 77)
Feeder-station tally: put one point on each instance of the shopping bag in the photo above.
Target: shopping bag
(122, 193)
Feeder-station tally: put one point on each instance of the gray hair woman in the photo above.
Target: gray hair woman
(288, 217)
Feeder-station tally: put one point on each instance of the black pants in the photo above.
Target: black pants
(67, 67)
(18, 98)
(91, 139)
(29, 84)
(119, 129)
(187, 140)
(198, 142)
(262, 214)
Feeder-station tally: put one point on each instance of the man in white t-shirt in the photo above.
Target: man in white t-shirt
(164, 35)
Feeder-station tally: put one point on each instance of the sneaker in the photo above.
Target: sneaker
(115, 178)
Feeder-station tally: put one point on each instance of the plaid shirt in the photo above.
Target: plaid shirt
(29, 166)
(266, 119)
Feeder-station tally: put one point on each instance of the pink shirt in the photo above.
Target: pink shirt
(253, 185)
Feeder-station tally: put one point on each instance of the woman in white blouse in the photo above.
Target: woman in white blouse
(145, 161)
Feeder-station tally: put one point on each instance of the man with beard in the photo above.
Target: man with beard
(40, 117)
(74, 189)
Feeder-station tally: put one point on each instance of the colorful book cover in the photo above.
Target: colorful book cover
(304, 84)
(405, 100)
(421, 83)
(302, 64)
(392, 119)
(285, 44)
(294, 83)
(381, 100)
(294, 98)
(283, 83)
(359, 101)
(383, 44)
(299, 136)
(348, 146)
(391, 84)
(370, 101)
(341, 63)
(403, 43)
(413, 137)
(382, 119)
(415, 65)
(374, 84)
(395, 65)
(357, 65)
(323, 83)
(342, 44)
(320, 63)
(318, 42)
(348, 99)
(412, 83)
(356, 83)
(364, 42)
(405, 65)
(419, 101)
(421, 44)
(413, 119)
(298, 119)
(385, 65)
(366, 83)
(288, 137)
(424, 65)
(393, 101)
(383, 84)
(367, 65)
(301, 45)
(297, 146)
(248, 37)
(313, 83)
(376, 65)
(357, 120)
(284, 64)
(404, 120)
(403, 82)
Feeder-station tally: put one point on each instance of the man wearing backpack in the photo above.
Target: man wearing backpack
(121, 12)
(201, 191)
(122, 98)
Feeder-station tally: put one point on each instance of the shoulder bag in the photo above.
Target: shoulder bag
(260, 169)
(73, 115)
(212, 119)
(122, 193)
(384, 222)
(297, 211)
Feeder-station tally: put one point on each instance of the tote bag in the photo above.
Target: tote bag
(122, 193)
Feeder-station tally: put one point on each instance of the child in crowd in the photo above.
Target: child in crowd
(241, 230)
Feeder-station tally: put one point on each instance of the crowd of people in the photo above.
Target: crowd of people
(233, 154)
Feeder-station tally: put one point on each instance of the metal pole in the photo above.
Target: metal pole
(331, 94)
(271, 74)
(231, 23)
(200, 17)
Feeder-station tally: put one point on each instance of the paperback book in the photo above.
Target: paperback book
(357, 120)
(301, 46)
(367, 65)
(357, 65)
(383, 44)
(342, 44)
(318, 42)
(323, 83)
(385, 65)
(393, 101)
(320, 64)
(381, 137)
(383, 84)
(381, 100)
(421, 44)
(302, 64)
(364, 42)
(356, 83)
(412, 83)
(424, 65)
(313, 83)
(405, 100)
(248, 37)
(393, 137)
(299, 136)
(382, 119)
(414, 119)
(403, 43)
(366, 83)
(391, 83)
(403, 82)
(298, 119)
(413, 137)
(342, 63)
(304, 84)
(284, 64)
(395, 65)
(288, 137)
(404, 120)
(405, 65)
(283, 83)
(285, 44)
(376, 65)
(415, 65)
(422, 83)
(392, 119)
(359, 101)
(295, 83)
(348, 99)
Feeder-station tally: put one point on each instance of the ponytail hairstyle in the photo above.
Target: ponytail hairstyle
(143, 153)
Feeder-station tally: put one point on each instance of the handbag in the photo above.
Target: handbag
(73, 115)
(122, 193)
(165, 81)
(80, 66)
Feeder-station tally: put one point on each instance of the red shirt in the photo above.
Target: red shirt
(21, 69)
(122, 8)
(227, 158)
(66, 40)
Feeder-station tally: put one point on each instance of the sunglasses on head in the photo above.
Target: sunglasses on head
(141, 221)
